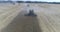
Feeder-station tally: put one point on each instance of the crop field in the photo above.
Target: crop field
(12, 17)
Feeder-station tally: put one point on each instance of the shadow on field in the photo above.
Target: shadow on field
(23, 23)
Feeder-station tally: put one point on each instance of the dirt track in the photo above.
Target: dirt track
(23, 24)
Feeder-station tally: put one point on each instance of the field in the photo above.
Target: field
(12, 18)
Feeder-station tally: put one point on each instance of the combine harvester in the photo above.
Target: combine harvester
(31, 12)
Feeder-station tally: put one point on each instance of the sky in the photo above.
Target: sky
(35, 0)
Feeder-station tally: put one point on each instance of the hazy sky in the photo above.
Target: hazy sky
(37, 0)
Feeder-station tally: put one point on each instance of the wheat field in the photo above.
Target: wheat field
(12, 17)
